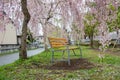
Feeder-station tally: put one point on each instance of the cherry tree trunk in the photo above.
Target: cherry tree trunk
(45, 42)
(23, 50)
(91, 41)
(45, 37)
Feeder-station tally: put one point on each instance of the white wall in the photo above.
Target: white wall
(9, 35)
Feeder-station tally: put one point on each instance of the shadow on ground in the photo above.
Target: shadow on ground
(76, 64)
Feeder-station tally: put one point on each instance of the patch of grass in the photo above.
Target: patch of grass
(34, 68)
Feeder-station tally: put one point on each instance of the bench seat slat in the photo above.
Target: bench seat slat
(57, 42)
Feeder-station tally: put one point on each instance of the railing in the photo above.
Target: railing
(8, 48)
(12, 47)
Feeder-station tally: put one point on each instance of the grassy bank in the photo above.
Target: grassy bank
(34, 68)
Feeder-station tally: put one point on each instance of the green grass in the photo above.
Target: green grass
(33, 68)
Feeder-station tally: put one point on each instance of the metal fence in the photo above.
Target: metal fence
(13, 47)
(8, 48)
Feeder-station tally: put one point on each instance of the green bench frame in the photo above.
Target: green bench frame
(61, 44)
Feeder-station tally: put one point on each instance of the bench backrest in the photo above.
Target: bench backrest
(57, 42)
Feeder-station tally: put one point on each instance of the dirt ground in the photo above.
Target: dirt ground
(114, 51)
(75, 65)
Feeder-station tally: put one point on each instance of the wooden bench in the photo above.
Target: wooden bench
(61, 44)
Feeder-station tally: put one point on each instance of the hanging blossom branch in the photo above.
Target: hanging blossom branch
(73, 12)
(12, 8)
(103, 13)
(1, 16)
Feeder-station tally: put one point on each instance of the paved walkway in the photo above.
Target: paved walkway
(10, 58)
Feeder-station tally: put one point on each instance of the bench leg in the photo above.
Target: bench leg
(63, 53)
(52, 59)
(68, 57)
(80, 52)
(73, 52)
